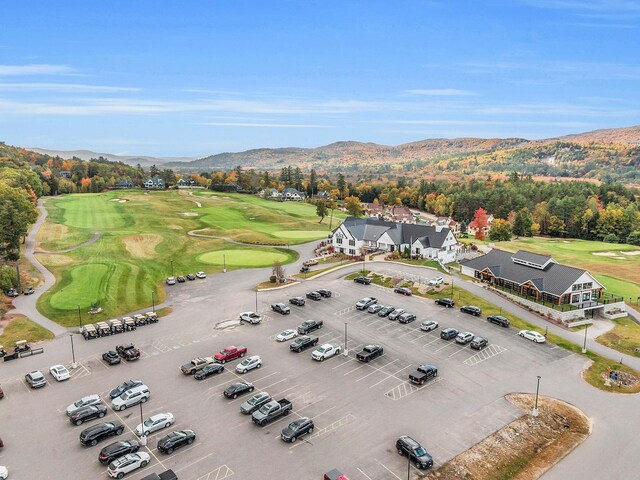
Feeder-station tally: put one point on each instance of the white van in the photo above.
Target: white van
(139, 394)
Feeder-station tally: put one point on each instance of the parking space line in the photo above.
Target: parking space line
(368, 477)
(271, 385)
(346, 362)
(329, 428)
(420, 337)
(193, 463)
(283, 391)
(377, 369)
(461, 350)
(357, 368)
(446, 346)
(221, 473)
(387, 469)
(490, 352)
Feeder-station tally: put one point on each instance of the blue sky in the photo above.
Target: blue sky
(192, 78)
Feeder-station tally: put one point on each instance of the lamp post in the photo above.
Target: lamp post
(451, 288)
(80, 318)
(153, 301)
(346, 352)
(172, 269)
(73, 353)
(256, 300)
(535, 408)
(224, 263)
(584, 345)
(408, 467)
(143, 437)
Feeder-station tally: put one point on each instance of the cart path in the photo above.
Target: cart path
(194, 233)
(93, 239)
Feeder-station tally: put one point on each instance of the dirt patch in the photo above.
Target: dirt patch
(51, 260)
(623, 378)
(525, 448)
(174, 227)
(142, 246)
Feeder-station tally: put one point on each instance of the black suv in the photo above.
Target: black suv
(176, 440)
(478, 343)
(296, 429)
(403, 291)
(302, 343)
(416, 452)
(314, 296)
(324, 292)
(299, 301)
(116, 450)
(385, 311)
(309, 326)
(191, 276)
(471, 310)
(445, 302)
(448, 333)
(362, 280)
(95, 433)
(181, 279)
(499, 320)
(88, 413)
(281, 308)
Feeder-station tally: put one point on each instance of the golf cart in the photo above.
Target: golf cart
(22, 346)
(29, 291)
(89, 332)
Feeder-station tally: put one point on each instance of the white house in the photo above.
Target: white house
(425, 241)
(291, 194)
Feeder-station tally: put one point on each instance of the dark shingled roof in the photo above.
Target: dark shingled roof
(532, 257)
(555, 279)
(371, 229)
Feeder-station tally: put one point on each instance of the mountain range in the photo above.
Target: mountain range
(133, 160)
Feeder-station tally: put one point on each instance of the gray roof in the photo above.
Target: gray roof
(532, 257)
(555, 279)
(370, 229)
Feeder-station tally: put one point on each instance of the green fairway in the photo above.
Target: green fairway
(610, 263)
(141, 239)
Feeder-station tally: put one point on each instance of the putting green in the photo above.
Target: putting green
(301, 234)
(243, 258)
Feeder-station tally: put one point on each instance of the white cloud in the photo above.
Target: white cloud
(262, 125)
(35, 69)
(63, 87)
(440, 92)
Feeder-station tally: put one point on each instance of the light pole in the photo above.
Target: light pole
(73, 353)
(346, 352)
(584, 345)
(143, 437)
(224, 263)
(451, 288)
(153, 301)
(80, 318)
(256, 300)
(172, 268)
(535, 408)
(408, 467)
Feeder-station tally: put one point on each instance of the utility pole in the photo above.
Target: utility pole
(256, 300)
(80, 318)
(224, 263)
(153, 301)
(74, 365)
(346, 351)
(18, 276)
(584, 345)
(143, 437)
(535, 408)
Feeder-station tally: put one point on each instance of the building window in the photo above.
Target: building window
(338, 239)
(352, 243)
(587, 286)
(586, 296)
(577, 286)
(575, 298)
(352, 251)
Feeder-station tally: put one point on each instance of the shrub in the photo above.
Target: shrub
(8, 278)
(634, 238)
(611, 238)
(273, 279)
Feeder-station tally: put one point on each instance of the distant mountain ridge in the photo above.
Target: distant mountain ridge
(133, 160)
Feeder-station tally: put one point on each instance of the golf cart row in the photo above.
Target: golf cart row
(21, 346)
(126, 324)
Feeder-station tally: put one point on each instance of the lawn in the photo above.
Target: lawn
(143, 240)
(618, 271)
(251, 219)
(624, 337)
(21, 328)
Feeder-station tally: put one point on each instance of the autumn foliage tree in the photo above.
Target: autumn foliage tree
(479, 223)
(500, 230)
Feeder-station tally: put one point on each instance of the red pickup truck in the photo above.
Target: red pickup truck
(230, 353)
(334, 475)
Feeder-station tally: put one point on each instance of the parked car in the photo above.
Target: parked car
(281, 308)
(408, 447)
(270, 411)
(84, 402)
(251, 317)
(90, 436)
(325, 351)
(428, 325)
(111, 357)
(209, 370)
(128, 463)
(310, 263)
(370, 352)
(464, 337)
(171, 281)
(302, 343)
(181, 279)
(297, 429)
(471, 310)
(134, 396)
(533, 336)
(117, 450)
(445, 302)
(498, 320)
(191, 276)
(362, 280)
(154, 423)
(299, 301)
(249, 363)
(88, 413)
(309, 326)
(237, 389)
(375, 308)
(128, 351)
(324, 292)
(448, 333)
(123, 387)
(176, 440)
(423, 374)
(29, 291)
(403, 291)
(386, 311)
(304, 269)
(396, 313)
(286, 335)
(4, 473)
(314, 296)
(255, 402)
(406, 317)
(201, 275)
(478, 343)
(166, 475)
(12, 292)
(60, 373)
(436, 281)
(366, 303)
(35, 379)
(230, 353)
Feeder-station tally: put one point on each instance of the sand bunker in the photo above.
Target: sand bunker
(633, 253)
(142, 246)
(119, 200)
(190, 214)
(609, 255)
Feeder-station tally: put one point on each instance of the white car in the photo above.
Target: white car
(429, 325)
(128, 463)
(201, 275)
(155, 423)
(4, 473)
(171, 280)
(60, 373)
(286, 335)
(249, 363)
(250, 317)
(434, 282)
(325, 351)
(533, 336)
(84, 402)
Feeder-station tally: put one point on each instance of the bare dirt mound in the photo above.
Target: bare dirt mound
(525, 448)
(142, 246)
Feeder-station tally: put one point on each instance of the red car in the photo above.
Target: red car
(230, 353)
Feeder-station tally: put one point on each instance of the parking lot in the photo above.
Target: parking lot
(359, 409)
